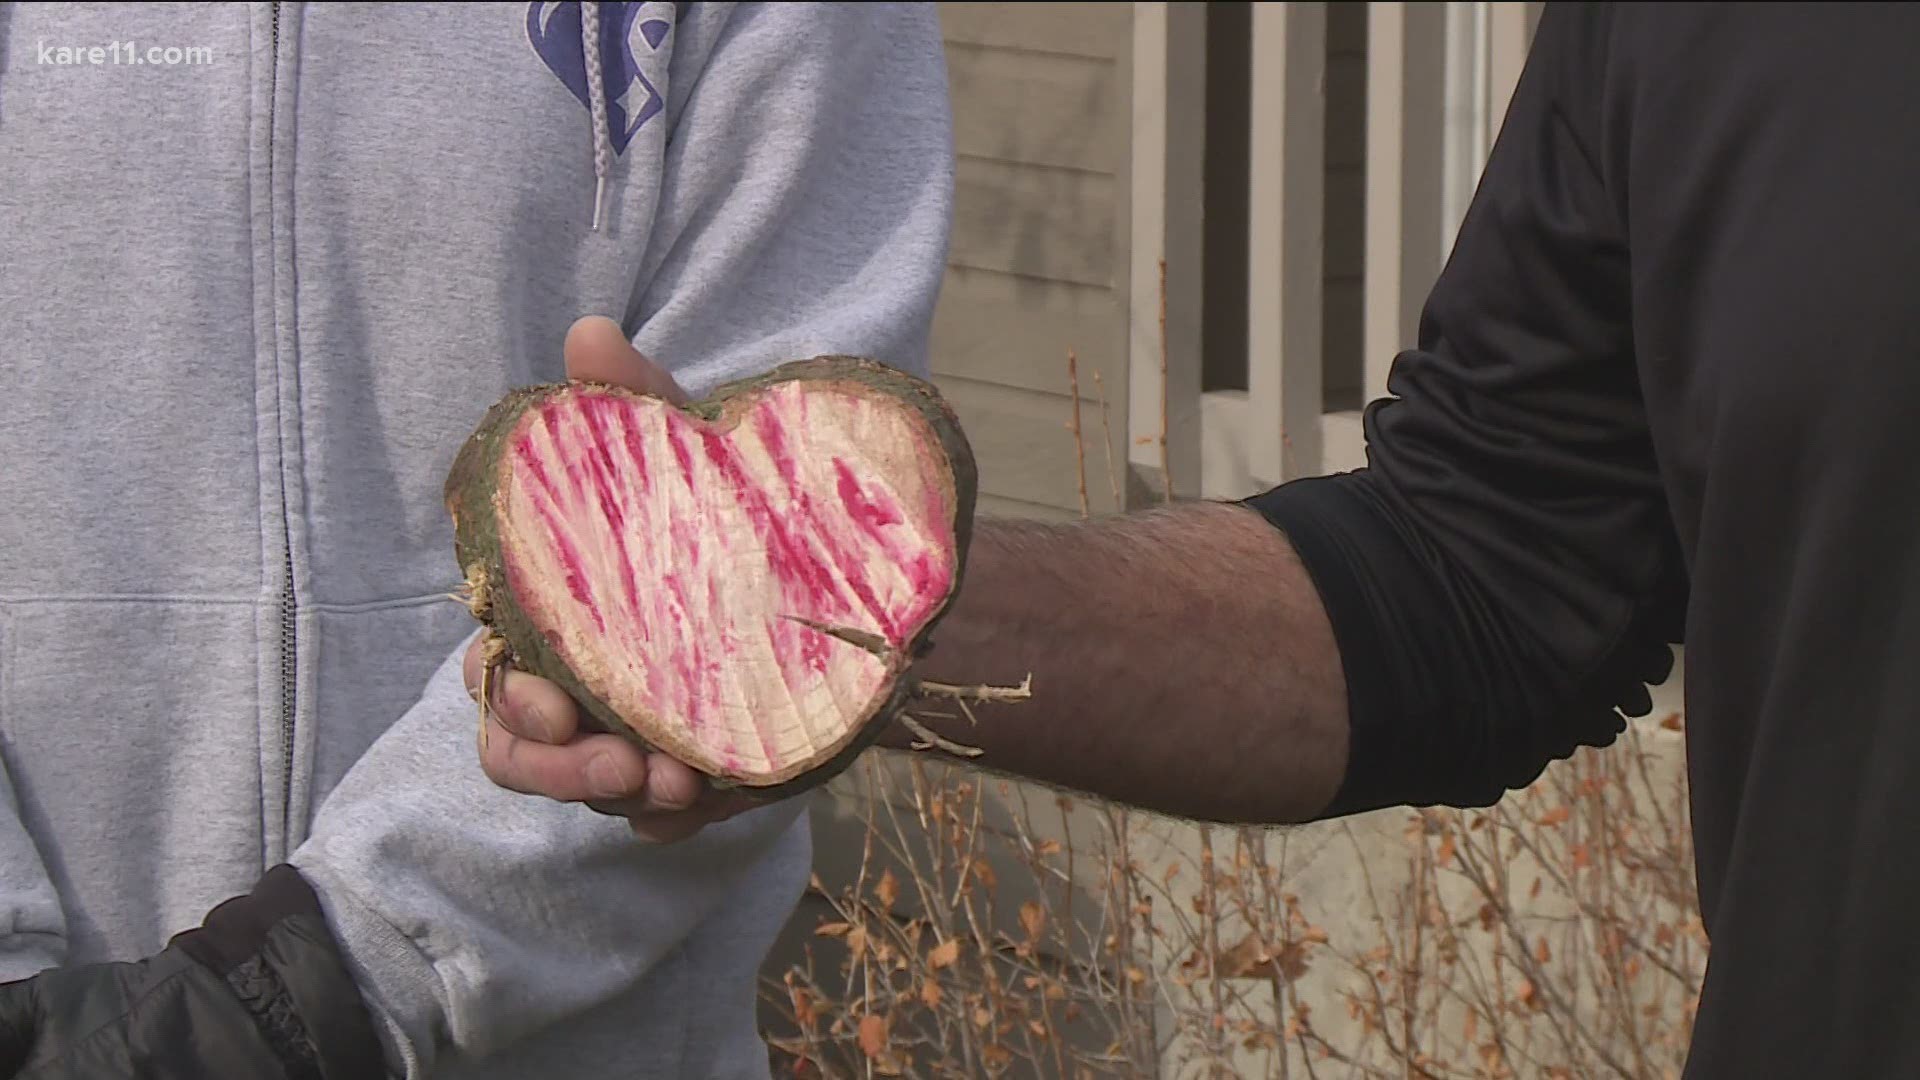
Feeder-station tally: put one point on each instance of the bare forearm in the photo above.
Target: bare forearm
(1180, 660)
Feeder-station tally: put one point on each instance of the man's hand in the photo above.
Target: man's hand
(534, 742)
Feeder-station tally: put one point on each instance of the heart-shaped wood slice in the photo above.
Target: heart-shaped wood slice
(741, 582)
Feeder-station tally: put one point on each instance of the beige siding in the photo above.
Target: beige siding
(1067, 29)
(1033, 221)
(1038, 262)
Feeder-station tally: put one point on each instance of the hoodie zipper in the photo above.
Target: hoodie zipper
(289, 657)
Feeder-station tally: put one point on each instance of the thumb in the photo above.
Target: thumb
(597, 350)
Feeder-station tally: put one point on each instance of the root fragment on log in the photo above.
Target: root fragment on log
(495, 653)
(927, 739)
(965, 697)
(859, 639)
(978, 693)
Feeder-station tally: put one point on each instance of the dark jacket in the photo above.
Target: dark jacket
(1665, 389)
(256, 992)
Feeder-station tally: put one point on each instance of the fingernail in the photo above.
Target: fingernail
(536, 722)
(680, 796)
(605, 778)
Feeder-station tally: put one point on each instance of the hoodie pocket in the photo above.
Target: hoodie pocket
(132, 739)
(35, 927)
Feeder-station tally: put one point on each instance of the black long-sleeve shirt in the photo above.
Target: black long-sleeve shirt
(1667, 389)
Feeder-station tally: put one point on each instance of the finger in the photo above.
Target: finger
(672, 785)
(671, 828)
(596, 767)
(597, 350)
(671, 788)
(526, 705)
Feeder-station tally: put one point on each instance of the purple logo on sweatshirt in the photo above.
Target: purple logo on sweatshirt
(553, 29)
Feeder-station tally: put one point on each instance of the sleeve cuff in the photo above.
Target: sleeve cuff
(1408, 742)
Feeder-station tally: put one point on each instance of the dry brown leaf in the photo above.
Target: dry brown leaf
(1239, 961)
(833, 929)
(887, 891)
(944, 954)
(931, 994)
(1032, 919)
(873, 1035)
(983, 873)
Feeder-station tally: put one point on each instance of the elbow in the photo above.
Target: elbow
(1453, 698)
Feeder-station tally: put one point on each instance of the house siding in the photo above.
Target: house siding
(1041, 103)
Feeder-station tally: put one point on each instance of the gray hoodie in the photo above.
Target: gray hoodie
(262, 268)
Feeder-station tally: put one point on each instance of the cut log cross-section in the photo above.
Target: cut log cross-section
(742, 582)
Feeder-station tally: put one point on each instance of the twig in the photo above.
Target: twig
(1079, 443)
(931, 740)
(978, 693)
(1106, 437)
(1166, 467)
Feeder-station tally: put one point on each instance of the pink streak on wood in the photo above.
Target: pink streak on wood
(926, 579)
(611, 495)
(813, 646)
(852, 570)
(690, 658)
(783, 554)
(731, 749)
(720, 454)
(550, 513)
(871, 517)
(873, 514)
(866, 512)
(773, 435)
(681, 659)
(636, 450)
(675, 426)
(588, 439)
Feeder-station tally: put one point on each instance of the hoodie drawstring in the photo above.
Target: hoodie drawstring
(596, 102)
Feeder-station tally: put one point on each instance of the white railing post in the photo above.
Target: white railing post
(1406, 95)
(1286, 230)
